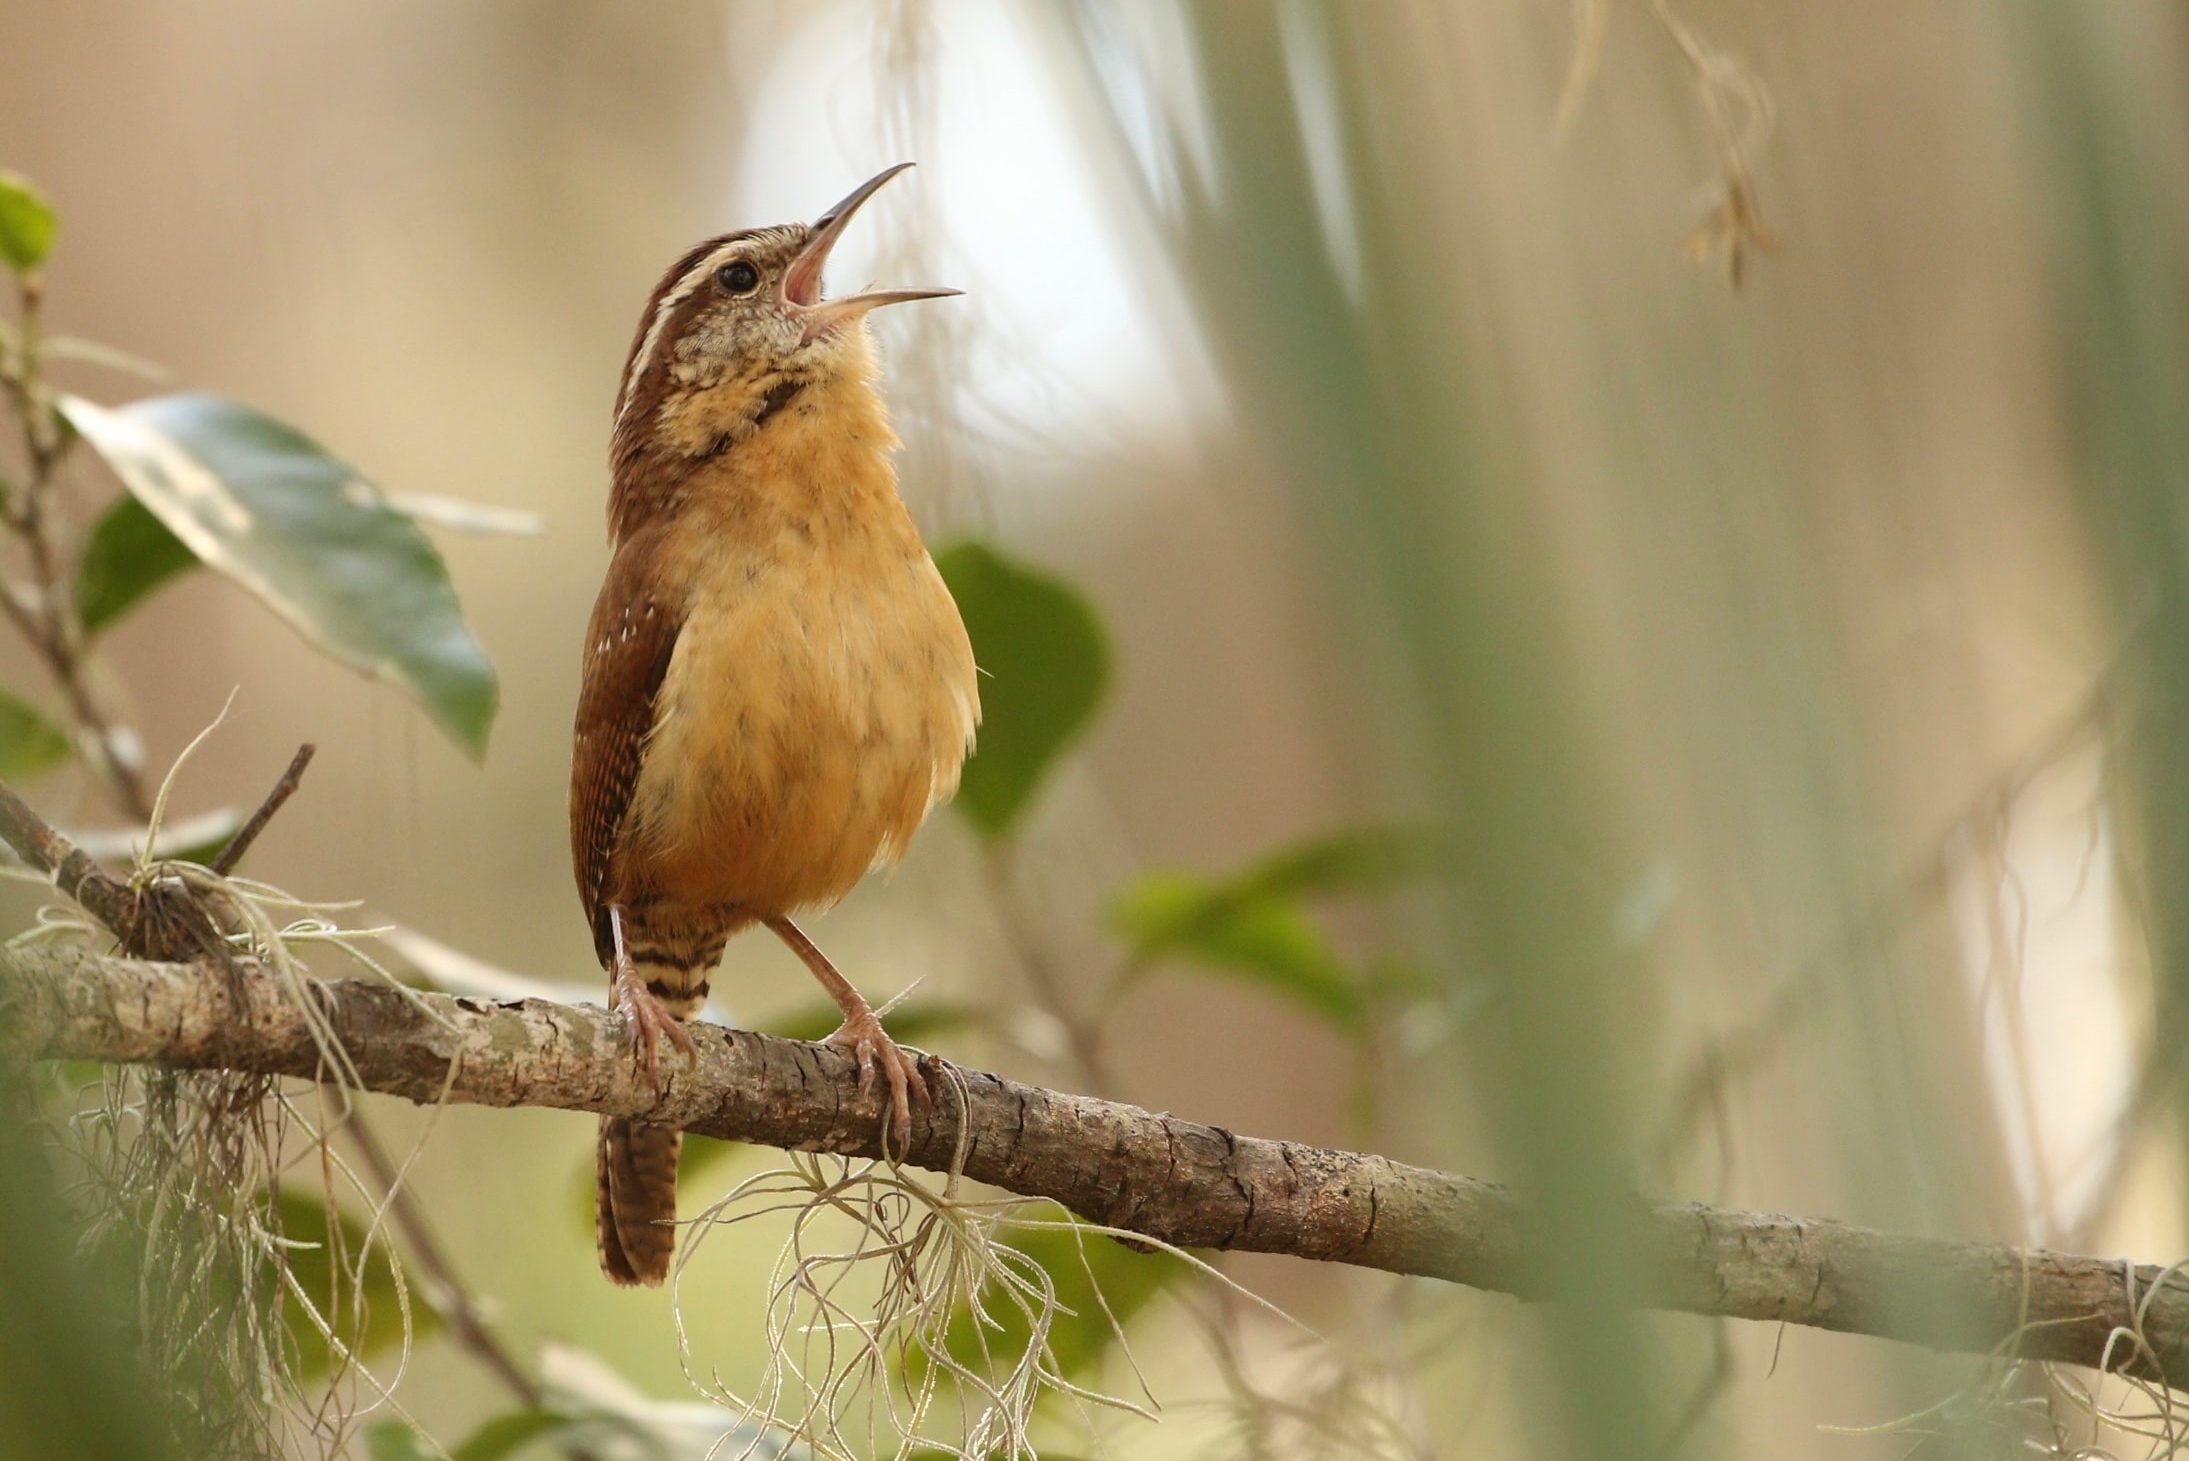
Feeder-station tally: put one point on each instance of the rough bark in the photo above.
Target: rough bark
(1179, 1181)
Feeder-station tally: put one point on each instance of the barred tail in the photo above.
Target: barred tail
(636, 1214)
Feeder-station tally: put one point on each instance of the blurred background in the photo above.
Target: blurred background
(1717, 467)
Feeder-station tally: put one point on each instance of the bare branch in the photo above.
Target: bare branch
(74, 871)
(160, 919)
(50, 622)
(1178, 1181)
(282, 791)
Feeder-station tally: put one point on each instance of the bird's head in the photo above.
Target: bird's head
(738, 325)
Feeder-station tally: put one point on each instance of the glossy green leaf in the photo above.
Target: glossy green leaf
(27, 223)
(130, 554)
(1263, 934)
(311, 1260)
(30, 744)
(270, 509)
(1045, 665)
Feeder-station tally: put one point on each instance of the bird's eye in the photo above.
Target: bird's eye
(738, 278)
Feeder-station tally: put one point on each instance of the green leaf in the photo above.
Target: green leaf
(311, 1259)
(1358, 860)
(1253, 922)
(505, 1434)
(269, 508)
(130, 553)
(1045, 664)
(30, 744)
(392, 1440)
(1242, 930)
(27, 223)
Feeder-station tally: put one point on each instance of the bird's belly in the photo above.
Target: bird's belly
(811, 714)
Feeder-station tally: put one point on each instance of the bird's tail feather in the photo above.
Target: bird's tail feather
(636, 1213)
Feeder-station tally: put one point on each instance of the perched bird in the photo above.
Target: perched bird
(777, 684)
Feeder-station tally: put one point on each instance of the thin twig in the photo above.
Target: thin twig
(248, 832)
(51, 624)
(74, 871)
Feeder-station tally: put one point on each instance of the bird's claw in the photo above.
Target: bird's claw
(648, 1020)
(880, 1058)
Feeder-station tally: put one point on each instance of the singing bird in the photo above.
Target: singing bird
(777, 685)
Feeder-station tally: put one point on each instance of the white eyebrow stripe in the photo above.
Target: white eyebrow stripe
(752, 243)
(683, 289)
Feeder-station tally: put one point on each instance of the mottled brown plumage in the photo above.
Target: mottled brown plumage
(777, 686)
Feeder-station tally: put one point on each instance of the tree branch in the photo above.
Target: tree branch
(1184, 1183)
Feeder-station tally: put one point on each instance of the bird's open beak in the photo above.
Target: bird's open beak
(802, 280)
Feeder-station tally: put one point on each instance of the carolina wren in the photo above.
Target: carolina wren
(777, 684)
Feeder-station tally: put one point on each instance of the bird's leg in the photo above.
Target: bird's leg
(649, 1018)
(861, 1034)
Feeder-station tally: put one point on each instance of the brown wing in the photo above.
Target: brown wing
(627, 649)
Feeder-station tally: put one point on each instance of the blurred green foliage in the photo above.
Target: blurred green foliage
(1339, 345)
(1255, 922)
(367, 1316)
(1229, 924)
(497, 1438)
(70, 1380)
(30, 744)
(27, 223)
(2122, 260)
(1045, 666)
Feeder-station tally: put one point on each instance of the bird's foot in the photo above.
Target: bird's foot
(880, 1057)
(648, 1021)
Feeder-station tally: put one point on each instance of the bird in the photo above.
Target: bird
(777, 685)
